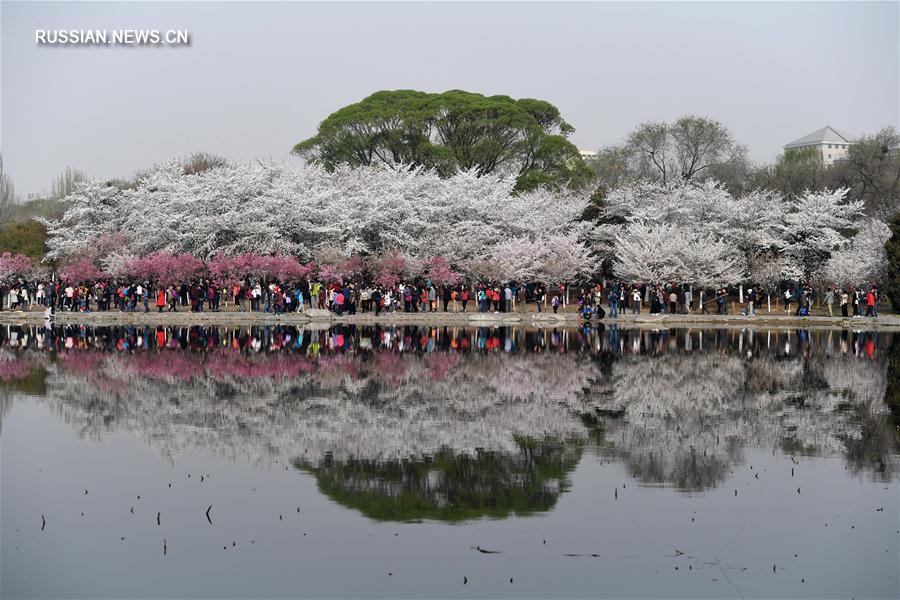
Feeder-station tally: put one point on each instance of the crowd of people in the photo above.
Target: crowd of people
(351, 298)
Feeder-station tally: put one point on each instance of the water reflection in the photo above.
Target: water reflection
(450, 486)
(450, 423)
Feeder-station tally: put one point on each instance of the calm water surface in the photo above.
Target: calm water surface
(448, 462)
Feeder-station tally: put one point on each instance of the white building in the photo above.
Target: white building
(587, 154)
(831, 143)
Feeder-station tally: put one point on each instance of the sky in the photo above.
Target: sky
(259, 77)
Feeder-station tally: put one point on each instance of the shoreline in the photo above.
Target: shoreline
(324, 318)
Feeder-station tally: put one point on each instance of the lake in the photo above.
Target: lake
(448, 462)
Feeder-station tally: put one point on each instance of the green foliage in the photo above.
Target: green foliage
(451, 131)
(48, 208)
(892, 287)
(24, 237)
(20, 233)
(33, 384)
(794, 172)
(871, 170)
(892, 392)
(450, 487)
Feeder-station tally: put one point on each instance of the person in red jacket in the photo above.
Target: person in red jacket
(870, 303)
(161, 298)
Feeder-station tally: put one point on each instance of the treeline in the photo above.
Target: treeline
(21, 229)
(695, 148)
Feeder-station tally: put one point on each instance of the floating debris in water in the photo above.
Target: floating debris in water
(485, 551)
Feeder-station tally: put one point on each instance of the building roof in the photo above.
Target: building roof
(826, 135)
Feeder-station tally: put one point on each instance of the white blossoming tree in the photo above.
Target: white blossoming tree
(273, 209)
(861, 260)
(699, 234)
(812, 230)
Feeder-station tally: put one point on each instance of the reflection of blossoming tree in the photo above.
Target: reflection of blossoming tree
(681, 416)
(685, 418)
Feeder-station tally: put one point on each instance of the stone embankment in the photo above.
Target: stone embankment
(324, 318)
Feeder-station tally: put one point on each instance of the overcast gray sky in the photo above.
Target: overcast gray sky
(259, 77)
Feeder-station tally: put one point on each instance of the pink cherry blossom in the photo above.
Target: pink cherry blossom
(12, 265)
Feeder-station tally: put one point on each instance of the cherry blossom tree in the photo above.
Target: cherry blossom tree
(391, 268)
(813, 230)
(168, 269)
(438, 270)
(705, 261)
(862, 259)
(643, 253)
(271, 209)
(82, 270)
(14, 265)
(700, 233)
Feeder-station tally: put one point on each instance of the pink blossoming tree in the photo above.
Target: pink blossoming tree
(14, 265)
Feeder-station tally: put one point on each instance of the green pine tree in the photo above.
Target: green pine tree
(893, 256)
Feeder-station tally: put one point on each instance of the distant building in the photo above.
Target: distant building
(587, 154)
(831, 143)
